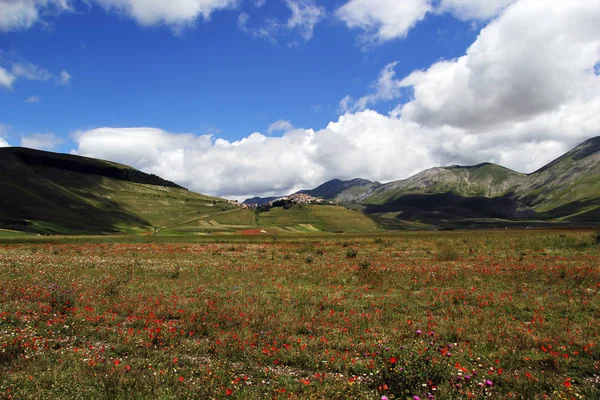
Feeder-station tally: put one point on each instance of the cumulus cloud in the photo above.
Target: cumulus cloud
(513, 71)
(474, 9)
(23, 14)
(522, 95)
(175, 13)
(364, 144)
(383, 20)
(259, 164)
(305, 15)
(4, 143)
(41, 141)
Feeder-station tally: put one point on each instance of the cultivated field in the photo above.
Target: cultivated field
(445, 315)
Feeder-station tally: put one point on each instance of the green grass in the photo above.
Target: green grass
(327, 218)
(5, 232)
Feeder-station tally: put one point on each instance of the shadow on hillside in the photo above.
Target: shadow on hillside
(592, 216)
(450, 206)
(34, 201)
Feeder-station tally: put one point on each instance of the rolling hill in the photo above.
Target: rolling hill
(50, 193)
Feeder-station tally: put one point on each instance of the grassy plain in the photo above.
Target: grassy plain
(446, 315)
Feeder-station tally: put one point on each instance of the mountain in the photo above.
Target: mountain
(335, 190)
(50, 193)
(567, 186)
(484, 180)
(566, 190)
(339, 191)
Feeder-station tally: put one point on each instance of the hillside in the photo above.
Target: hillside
(339, 191)
(483, 180)
(51, 193)
(47, 192)
(566, 190)
(316, 218)
(568, 187)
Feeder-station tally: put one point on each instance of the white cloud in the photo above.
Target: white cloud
(64, 78)
(16, 68)
(41, 141)
(522, 95)
(30, 72)
(33, 99)
(175, 13)
(23, 14)
(474, 9)
(280, 126)
(4, 143)
(364, 144)
(514, 71)
(6, 78)
(267, 30)
(386, 88)
(305, 15)
(383, 20)
(17, 15)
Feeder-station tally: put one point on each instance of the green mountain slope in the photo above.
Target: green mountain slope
(567, 186)
(340, 191)
(57, 193)
(316, 218)
(50, 193)
(566, 190)
(483, 180)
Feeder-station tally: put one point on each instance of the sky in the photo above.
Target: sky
(242, 98)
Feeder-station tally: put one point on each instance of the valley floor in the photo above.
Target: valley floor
(485, 314)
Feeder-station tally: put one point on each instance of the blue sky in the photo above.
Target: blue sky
(348, 80)
(211, 77)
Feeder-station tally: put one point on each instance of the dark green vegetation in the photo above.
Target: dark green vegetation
(49, 193)
(565, 192)
(457, 315)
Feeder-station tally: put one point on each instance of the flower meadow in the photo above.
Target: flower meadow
(434, 315)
